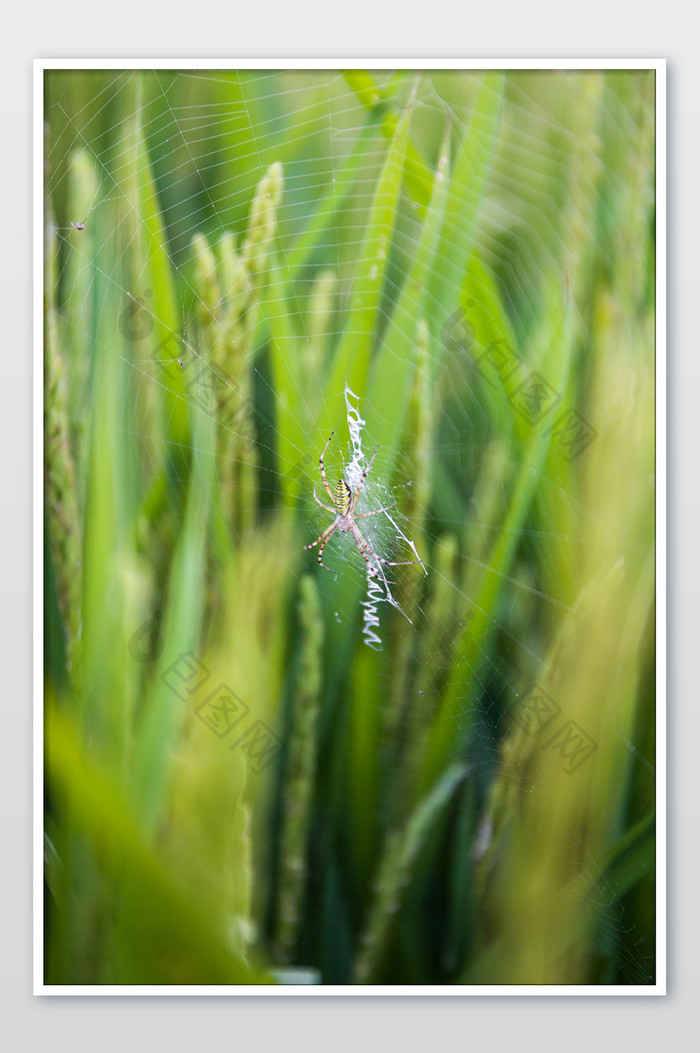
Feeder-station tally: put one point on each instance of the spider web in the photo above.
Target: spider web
(196, 124)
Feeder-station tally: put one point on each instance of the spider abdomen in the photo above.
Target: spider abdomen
(342, 497)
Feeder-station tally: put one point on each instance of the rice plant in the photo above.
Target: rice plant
(432, 759)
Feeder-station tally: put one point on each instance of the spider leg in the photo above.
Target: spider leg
(324, 537)
(363, 515)
(362, 544)
(323, 470)
(323, 540)
(320, 553)
(331, 510)
(388, 562)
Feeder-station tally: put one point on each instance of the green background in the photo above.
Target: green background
(283, 235)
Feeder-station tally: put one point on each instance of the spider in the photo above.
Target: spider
(344, 503)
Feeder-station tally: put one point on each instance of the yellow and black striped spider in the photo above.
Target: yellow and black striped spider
(344, 503)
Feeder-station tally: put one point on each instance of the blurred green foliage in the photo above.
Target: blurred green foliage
(447, 245)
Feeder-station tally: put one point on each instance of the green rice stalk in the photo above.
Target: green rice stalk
(76, 282)
(372, 95)
(315, 350)
(60, 483)
(471, 170)
(330, 203)
(301, 768)
(420, 427)
(391, 376)
(207, 837)
(262, 225)
(443, 619)
(227, 290)
(353, 355)
(394, 873)
(208, 289)
(475, 639)
(142, 231)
